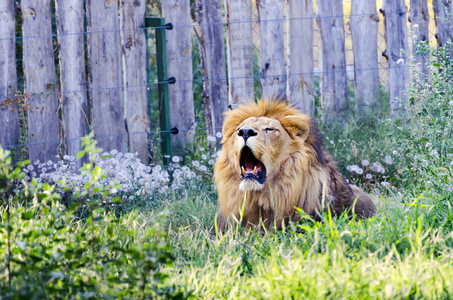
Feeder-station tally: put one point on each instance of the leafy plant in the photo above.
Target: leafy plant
(47, 252)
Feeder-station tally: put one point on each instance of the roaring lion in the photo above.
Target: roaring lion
(272, 161)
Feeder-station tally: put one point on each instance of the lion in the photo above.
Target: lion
(272, 161)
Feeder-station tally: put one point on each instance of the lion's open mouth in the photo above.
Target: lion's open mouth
(251, 167)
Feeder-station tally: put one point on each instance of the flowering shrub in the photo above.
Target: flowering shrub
(113, 176)
(46, 252)
(132, 176)
(424, 132)
(364, 159)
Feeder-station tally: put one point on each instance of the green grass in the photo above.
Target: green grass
(396, 254)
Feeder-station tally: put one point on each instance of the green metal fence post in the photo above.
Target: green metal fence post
(162, 77)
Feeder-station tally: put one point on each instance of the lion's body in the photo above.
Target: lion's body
(298, 172)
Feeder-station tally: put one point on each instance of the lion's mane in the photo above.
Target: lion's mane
(300, 179)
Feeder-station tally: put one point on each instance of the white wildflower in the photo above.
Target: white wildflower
(377, 167)
(175, 159)
(30, 168)
(211, 162)
(400, 62)
(388, 160)
(49, 163)
(415, 26)
(203, 157)
(203, 168)
(368, 176)
(365, 162)
(218, 135)
(354, 168)
(211, 139)
(434, 153)
(113, 152)
(195, 163)
(385, 184)
(395, 152)
(359, 171)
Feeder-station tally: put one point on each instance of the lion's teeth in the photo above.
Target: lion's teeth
(254, 170)
(243, 170)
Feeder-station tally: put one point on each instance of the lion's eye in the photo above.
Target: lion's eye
(269, 129)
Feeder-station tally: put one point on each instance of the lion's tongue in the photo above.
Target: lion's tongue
(250, 168)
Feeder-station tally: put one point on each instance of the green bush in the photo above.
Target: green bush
(424, 132)
(46, 252)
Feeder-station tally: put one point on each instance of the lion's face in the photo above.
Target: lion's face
(259, 145)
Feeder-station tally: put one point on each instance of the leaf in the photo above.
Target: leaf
(23, 163)
(80, 154)
(27, 215)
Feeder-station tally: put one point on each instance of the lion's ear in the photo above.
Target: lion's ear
(297, 126)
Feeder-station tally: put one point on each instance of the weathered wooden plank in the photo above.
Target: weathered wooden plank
(210, 35)
(70, 19)
(133, 43)
(104, 62)
(397, 46)
(272, 67)
(364, 32)
(239, 51)
(9, 116)
(332, 60)
(179, 65)
(40, 80)
(300, 55)
(443, 14)
(419, 18)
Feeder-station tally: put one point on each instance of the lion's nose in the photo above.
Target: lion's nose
(246, 133)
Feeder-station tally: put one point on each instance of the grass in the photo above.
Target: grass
(396, 254)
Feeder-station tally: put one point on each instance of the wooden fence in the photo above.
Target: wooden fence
(81, 76)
